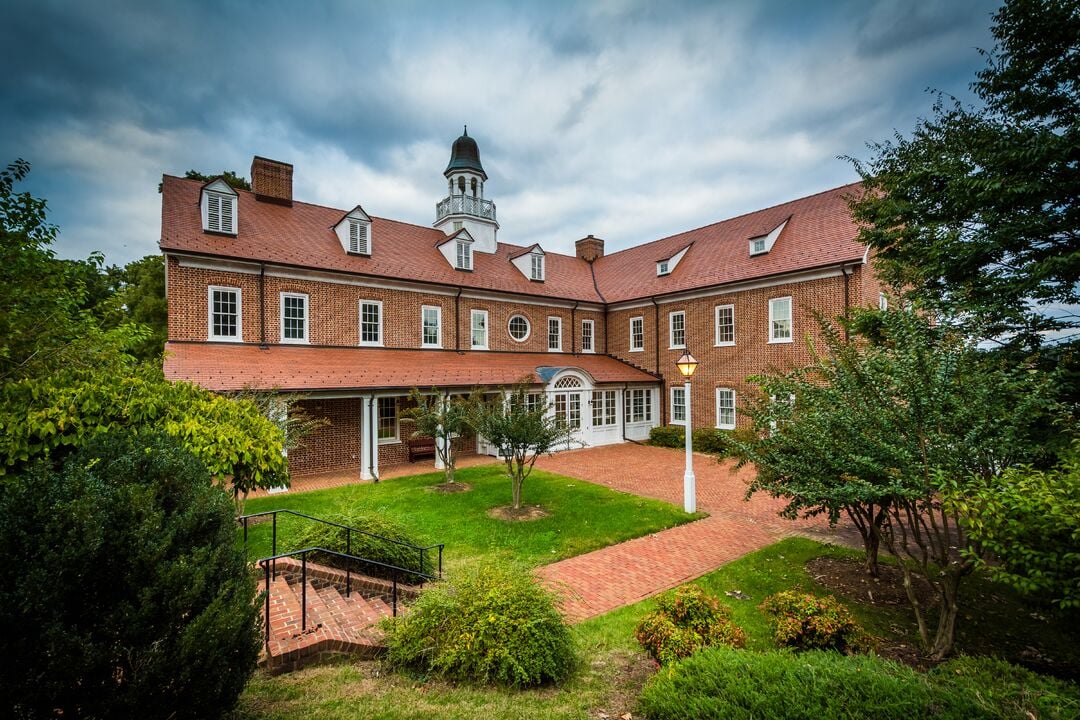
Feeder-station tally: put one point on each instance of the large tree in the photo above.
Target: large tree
(898, 425)
(975, 214)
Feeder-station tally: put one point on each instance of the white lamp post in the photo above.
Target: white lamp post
(687, 365)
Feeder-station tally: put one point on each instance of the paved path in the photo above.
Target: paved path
(600, 581)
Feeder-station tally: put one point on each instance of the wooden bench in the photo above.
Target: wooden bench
(421, 447)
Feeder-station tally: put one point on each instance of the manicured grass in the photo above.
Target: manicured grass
(583, 516)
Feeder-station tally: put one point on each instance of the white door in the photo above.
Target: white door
(568, 408)
(483, 445)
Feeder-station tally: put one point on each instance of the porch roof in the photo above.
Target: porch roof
(228, 366)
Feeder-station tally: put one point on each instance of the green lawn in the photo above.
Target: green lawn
(583, 516)
(613, 668)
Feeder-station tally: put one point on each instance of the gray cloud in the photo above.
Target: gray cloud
(629, 120)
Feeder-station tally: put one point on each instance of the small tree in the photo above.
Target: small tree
(522, 427)
(442, 417)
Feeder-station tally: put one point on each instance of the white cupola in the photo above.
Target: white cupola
(465, 206)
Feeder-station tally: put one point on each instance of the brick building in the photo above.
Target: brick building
(354, 310)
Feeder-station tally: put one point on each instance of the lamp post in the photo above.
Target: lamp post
(687, 365)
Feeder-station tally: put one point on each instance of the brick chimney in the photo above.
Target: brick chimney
(589, 248)
(271, 181)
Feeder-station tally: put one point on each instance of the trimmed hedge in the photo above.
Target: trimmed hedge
(685, 621)
(706, 440)
(807, 622)
(314, 534)
(489, 624)
(780, 685)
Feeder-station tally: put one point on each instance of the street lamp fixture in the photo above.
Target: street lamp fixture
(687, 365)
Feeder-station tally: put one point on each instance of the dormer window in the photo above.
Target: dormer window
(664, 266)
(537, 267)
(218, 205)
(464, 255)
(354, 232)
(762, 244)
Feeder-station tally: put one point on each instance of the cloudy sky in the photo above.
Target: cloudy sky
(628, 120)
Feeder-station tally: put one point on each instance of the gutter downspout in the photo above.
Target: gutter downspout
(663, 378)
(262, 306)
(457, 319)
(374, 439)
(573, 328)
(847, 301)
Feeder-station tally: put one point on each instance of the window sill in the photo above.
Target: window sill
(678, 422)
(554, 349)
(725, 427)
(295, 342)
(588, 352)
(780, 341)
(641, 349)
(235, 339)
(431, 347)
(389, 441)
(676, 347)
(479, 347)
(371, 344)
(724, 344)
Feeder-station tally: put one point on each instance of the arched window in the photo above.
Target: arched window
(461, 184)
(474, 187)
(567, 382)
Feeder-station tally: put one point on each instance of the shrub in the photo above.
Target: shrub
(729, 684)
(668, 436)
(490, 624)
(130, 596)
(1002, 690)
(314, 534)
(706, 440)
(807, 622)
(685, 621)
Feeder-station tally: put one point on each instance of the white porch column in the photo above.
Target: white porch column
(369, 443)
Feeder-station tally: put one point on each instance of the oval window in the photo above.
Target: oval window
(519, 327)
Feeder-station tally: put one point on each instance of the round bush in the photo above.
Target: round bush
(685, 621)
(808, 622)
(126, 594)
(731, 685)
(315, 534)
(490, 624)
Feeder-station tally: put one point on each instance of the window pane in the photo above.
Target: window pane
(678, 405)
(479, 330)
(780, 314)
(431, 326)
(554, 333)
(369, 322)
(586, 335)
(725, 408)
(678, 329)
(225, 316)
(387, 418)
(637, 333)
(294, 312)
(725, 324)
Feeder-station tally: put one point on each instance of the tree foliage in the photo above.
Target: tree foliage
(901, 423)
(443, 418)
(975, 214)
(521, 425)
(131, 597)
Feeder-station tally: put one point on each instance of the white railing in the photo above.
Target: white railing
(464, 205)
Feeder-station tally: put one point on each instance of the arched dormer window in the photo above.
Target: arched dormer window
(218, 205)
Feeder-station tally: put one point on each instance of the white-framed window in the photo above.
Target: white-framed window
(725, 325)
(388, 420)
(882, 302)
(554, 334)
(431, 326)
(603, 408)
(663, 267)
(464, 255)
(371, 322)
(637, 334)
(220, 213)
(479, 325)
(759, 245)
(638, 406)
(536, 267)
(223, 313)
(294, 317)
(678, 405)
(677, 329)
(725, 408)
(587, 328)
(780, 320)
(519, 328)
(358, 237)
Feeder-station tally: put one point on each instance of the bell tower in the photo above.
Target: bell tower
(465, 205)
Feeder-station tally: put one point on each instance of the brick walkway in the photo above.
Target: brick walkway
(600, 581)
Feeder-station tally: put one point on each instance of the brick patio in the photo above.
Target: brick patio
(600, 581)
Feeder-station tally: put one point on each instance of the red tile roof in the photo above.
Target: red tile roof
(819, 233)
(226, 366)
(302, 235)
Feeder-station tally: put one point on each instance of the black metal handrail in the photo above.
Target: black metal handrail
(348, 536)
(269, 566)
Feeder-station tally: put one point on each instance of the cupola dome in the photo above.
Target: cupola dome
(465, 155)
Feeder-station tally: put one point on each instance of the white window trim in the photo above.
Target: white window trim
(671, 408)
(438, 326)
(716, 326)
(646, 405)
(528, 327)
(534, 257)
(592, 336)
(882, 302)
(487, 330)
(791, 320)
(306, 340)
(360, 324)
(397, 424)
(468, 255)
(734, 409)
(361, 249)
(671, 330)
(221, 197)
(558, 320)
(640, 318)
(210, 315)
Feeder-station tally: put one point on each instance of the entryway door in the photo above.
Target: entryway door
(567, 403)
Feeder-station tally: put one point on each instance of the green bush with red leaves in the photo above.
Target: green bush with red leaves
(685, 621)
(808, 622)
